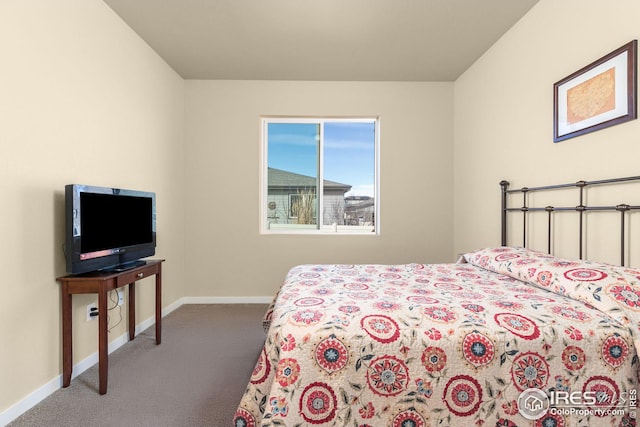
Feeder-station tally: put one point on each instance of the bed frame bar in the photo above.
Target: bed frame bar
(581, 208)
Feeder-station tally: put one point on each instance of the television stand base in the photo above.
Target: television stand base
(124, 267)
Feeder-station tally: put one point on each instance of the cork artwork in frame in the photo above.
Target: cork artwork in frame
(600, 95)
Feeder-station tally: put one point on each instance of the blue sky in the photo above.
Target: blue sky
(349, 152)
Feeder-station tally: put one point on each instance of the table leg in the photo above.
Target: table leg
(132, 310)
(103, 342)
(159, 305)
(67, 346)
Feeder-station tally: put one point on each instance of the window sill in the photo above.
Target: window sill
(329, 230)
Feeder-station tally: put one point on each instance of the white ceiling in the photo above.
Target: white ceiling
(366, 40)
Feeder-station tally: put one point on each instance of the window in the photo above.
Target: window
(326, 166)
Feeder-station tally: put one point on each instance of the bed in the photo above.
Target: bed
(507, 336)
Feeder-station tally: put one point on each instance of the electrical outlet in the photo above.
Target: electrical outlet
(91, 308)
(120, 297)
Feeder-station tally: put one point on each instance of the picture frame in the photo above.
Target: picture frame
(598, 96)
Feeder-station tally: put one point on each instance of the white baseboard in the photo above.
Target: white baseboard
(227, 300)
(38, 395)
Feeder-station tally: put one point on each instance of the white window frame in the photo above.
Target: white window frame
(319, 228)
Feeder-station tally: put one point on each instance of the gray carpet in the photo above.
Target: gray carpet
(196, 377)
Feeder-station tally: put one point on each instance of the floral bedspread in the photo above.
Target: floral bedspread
(450, 345)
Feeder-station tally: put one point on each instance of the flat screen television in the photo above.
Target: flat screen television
(108, 228)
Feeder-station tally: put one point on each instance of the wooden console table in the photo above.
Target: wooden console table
(101, 283)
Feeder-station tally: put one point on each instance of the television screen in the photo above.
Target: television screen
(114, 222)
(108, 228)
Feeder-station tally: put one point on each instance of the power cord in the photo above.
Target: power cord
(113, 296)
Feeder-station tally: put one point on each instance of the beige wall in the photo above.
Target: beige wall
(82, 99)
(504, 116)
(225, 254)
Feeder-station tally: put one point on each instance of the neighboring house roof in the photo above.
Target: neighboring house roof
(283, 179)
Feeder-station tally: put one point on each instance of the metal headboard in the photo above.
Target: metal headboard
(580, 208)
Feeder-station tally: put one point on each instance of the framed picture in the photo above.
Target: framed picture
(600, 95)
